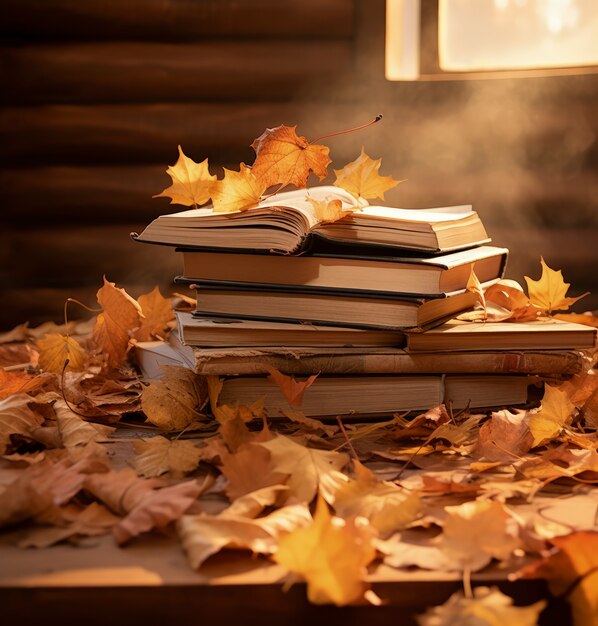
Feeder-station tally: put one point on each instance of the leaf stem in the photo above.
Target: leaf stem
(349, 130)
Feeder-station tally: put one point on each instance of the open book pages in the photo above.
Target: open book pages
(284, 221)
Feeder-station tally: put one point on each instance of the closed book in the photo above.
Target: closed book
(342, 395)
(457, 335)
(287, 223)
(207, 332)
(419, 276)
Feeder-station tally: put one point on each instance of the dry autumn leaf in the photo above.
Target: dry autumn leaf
(572, 573)
(285, 158)
(17, 418)
(487, 607)
(511, 303)
(12, 383)
(555, 412)
(292, 389)
(158, 455)
(237, 191)
(327, 211)
(505, 436)
(332, 555)
(75, 431)
(550, 292)
(121, 315)
(191, 182)
(157, 313)
(475, 286)
(361, 179)
(176, 400)
(307, 467)
(55, 350)
(477, 531)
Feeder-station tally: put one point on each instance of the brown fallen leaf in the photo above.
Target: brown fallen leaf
(75, 431)
(12, 383)
(572, 573)
(237, 191)
(291, 388)
(205, 535)
(310, 423)
(505, 436)
(157, 313)
(387, 506)
(17, 418)
(252, 504)
(55, 350)
(121, 315)
(549, 293)
(176, 400)
(556, 411)
(285, 158)
(507, 302)
(192, 182)
(434, 485)
(362, 180)
(332, 555)
(560, 462)
(74, 522)
(477, 531)
(487, 607)
(158, 455)
(250, 468)
(18, 356)
(306, 467)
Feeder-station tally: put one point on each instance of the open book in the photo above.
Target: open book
(286, 222)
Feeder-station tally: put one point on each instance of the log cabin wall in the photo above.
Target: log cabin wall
(99, 93)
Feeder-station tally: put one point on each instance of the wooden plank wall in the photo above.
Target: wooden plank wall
(101, 92)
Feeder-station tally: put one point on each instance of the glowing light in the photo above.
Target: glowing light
(402, 39)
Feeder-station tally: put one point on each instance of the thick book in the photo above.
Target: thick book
(208, 332)
(355, 310)
(422, 276)
(287, 223)
(553, 364)
(342, 395)
(549, 334)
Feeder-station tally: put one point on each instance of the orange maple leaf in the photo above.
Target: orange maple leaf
(191, 182)
(292, 389)
(361, 179)
(157, 312)
(550, 292)
(121, 315)
(283, 157)
(55, 349)
(237, 191)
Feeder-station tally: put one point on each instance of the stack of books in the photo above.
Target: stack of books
(368, 302)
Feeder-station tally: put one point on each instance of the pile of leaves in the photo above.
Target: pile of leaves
(332, 503)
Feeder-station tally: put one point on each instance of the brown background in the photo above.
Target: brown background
(98, 93)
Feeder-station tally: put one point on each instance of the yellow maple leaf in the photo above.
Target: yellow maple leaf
(361, 179)
(285, 158)
(237, 191)
(329, 210)
(550, 292)
(555, 412)
(55, 349)
(121, 315)
(191, 182)
(331, 555)
(157, 312)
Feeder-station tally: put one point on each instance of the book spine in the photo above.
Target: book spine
(549, 365)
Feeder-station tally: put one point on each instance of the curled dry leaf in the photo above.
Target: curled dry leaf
(560, 462)
(387, 506)
(307, 467)
(292, 389)
(488, 607)
(252, 504)
(55, 350)
(475, 286)
(191, 182)
(157, 313)
(176, 400)
(158, 455)
(572, 572)
(329, 210)
(505, 436)
(555, 412)
(507, 302)
(17, 418)
(477, 531)
(332, 555)
(362, 180)
(285, 158)
(550, 292)
(75, 431)
(237, 191)
(204, 535)
(121, 315)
